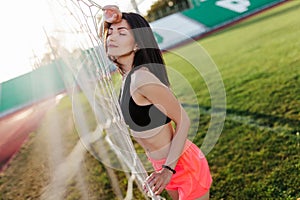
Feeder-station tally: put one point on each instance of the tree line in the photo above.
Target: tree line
(163, 8)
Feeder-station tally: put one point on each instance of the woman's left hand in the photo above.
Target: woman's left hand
(157, 181)
(112, 14)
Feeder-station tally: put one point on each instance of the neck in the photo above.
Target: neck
(125, 61)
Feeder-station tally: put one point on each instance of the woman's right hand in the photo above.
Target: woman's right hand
(158, 181)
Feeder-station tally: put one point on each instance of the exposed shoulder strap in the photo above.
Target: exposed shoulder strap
(125, 88)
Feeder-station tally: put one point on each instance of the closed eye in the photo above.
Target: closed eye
(121, 32)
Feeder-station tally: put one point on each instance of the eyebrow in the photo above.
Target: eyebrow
(119, 28)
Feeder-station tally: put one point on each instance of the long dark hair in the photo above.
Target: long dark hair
(148, 53)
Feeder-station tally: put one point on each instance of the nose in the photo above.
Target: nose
(111, 37)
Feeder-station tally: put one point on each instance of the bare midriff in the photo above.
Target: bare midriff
(156, 142)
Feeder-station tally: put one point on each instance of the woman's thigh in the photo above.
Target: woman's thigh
(173, 194)
(204, 197)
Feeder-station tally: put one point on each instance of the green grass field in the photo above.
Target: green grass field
(258, 153)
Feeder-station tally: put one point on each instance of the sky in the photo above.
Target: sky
(22, 36)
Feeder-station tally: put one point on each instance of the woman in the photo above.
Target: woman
(148, 106)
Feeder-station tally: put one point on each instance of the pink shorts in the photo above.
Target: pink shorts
(192, 179)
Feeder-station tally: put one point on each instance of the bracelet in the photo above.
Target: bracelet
(169, 168)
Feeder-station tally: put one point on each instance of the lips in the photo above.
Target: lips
(112, 46)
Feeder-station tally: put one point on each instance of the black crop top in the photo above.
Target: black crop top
(140, 118)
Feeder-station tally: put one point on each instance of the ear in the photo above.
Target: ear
(136, 48)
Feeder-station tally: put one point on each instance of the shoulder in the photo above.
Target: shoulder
(142, 77)
(145, 82)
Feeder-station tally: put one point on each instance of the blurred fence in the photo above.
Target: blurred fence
(30, 88)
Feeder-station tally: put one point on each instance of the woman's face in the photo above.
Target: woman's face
(120, 39)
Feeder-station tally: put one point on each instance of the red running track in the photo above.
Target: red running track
(16, 127)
